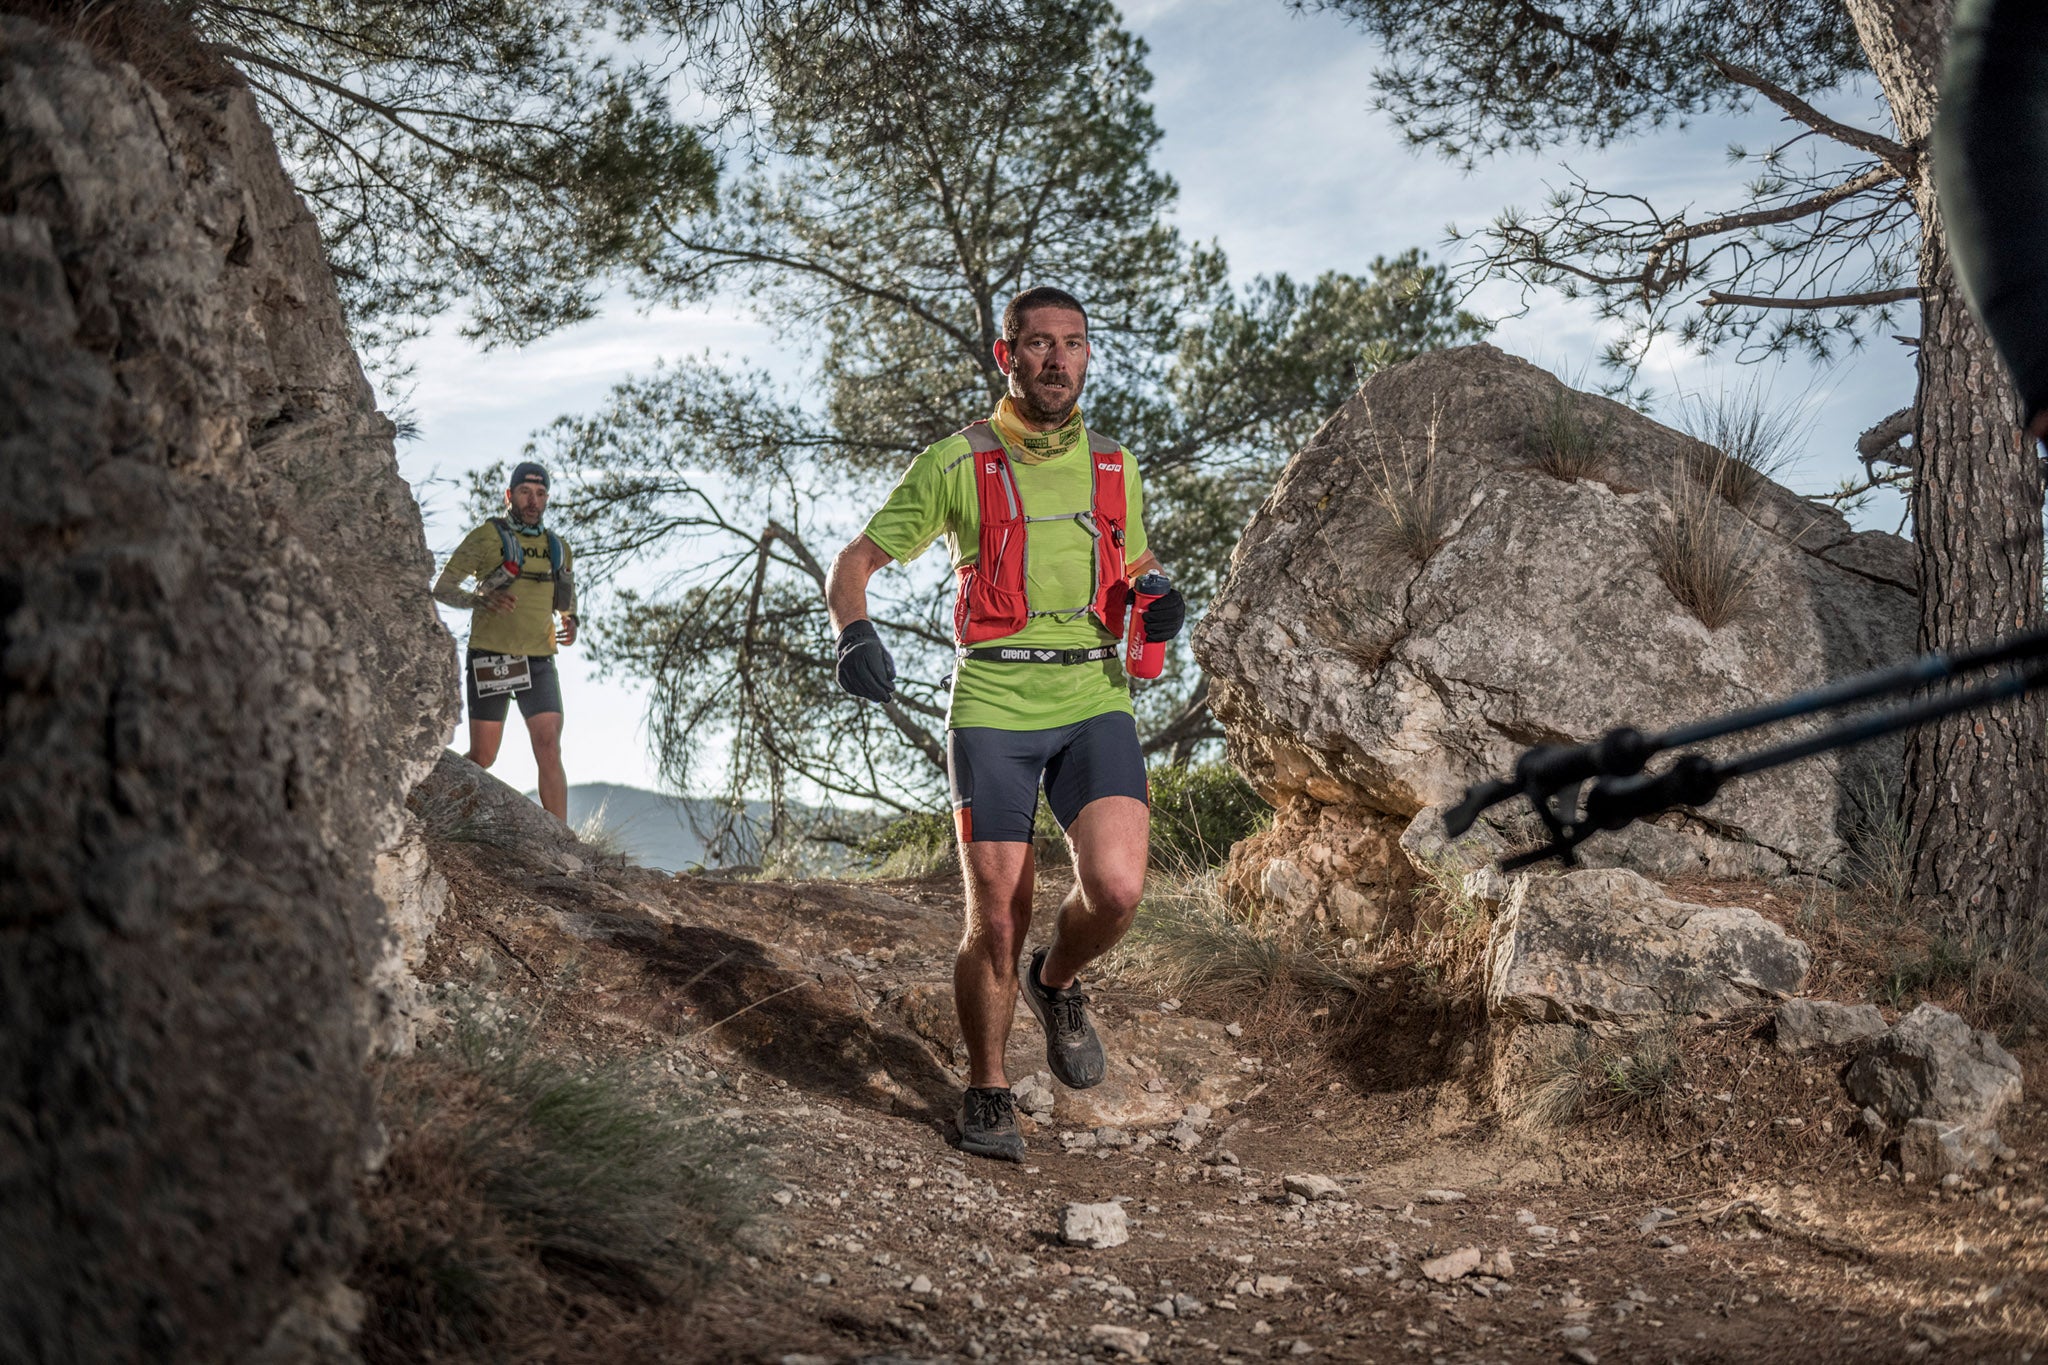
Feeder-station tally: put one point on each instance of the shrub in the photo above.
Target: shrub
(919, 844)
(1563, 443)
(522, 1196)
(1706, 554)
(1198, 812)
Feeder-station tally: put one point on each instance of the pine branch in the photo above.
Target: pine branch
(1868, 299)
(1885, 442)
(1785, 213)
(1898, 157)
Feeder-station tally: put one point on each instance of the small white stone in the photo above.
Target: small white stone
(1453, 1265)
(1097, 1226)
(1312, 1186)
(1125, 1341)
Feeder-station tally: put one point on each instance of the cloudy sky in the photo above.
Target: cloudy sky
(1269, 131)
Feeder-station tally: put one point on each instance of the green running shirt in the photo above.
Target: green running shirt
(529, 628)
(936, 495)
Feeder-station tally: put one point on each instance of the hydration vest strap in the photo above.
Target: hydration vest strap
(513, 553)
(1021, 654)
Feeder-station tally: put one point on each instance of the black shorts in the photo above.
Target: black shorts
(544, 696)
(995, 774)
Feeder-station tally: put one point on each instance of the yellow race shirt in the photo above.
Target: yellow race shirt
(936, 496)
(530, 627)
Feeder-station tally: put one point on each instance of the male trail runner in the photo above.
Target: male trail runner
(524, 580)
(1045, 522)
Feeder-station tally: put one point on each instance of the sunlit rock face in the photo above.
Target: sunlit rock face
(219, 674)
(1365, 673)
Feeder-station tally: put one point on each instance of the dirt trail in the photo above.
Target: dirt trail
(816, 1018)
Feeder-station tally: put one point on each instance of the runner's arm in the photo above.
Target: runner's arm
(462, 567)
(846, 586)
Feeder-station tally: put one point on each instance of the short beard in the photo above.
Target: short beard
(1032, 412)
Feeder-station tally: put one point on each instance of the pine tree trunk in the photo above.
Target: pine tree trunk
(1976, 794)
(1976, 785)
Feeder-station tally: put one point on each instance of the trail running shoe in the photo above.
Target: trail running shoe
(988, 1124)
(1071, 1048)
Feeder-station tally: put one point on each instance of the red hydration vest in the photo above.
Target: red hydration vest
(992, 602)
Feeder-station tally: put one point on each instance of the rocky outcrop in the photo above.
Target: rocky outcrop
(1942, 1085)
(1368, 668)
(1607, 947)
(219, 675)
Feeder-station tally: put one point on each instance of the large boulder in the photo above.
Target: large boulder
(1606, 947)
(1361, 685)
(219, 674)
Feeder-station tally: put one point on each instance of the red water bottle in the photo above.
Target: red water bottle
(1145, 658)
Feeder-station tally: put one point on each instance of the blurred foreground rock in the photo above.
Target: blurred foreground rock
(220, 676)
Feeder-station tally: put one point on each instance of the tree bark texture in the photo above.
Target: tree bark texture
(1976, 785)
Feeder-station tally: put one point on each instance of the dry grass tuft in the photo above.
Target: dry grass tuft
(1744, 444)
(1188, 943)
(1587, 1078)
(526, 1205)
(149, 35)
(1410, 490)
(1706, 554)
(1563, 443)
(1445, 947)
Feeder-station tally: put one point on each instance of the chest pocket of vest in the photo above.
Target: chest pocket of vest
(992, 601)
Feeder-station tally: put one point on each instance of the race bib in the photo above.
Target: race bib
(500, 675)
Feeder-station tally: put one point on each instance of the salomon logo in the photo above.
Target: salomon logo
(1109, 468)
(989, 468)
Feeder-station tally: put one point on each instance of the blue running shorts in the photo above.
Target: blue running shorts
(996, 774)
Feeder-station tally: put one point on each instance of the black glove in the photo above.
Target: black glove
(1164, 617)
(865, 668)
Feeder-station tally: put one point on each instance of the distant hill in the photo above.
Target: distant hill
(666, 832)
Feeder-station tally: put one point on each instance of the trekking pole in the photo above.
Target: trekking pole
(1620, 796)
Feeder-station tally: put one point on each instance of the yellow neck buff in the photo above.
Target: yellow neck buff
(1035, 447)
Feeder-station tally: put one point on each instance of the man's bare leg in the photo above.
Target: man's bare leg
(1111, 842)
(998, 878)
(545, 732)
(484, 738)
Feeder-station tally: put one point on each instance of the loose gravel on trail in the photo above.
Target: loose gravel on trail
(1304, 1218)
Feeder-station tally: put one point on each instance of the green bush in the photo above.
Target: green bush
(1198, 812)
(919, 844)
